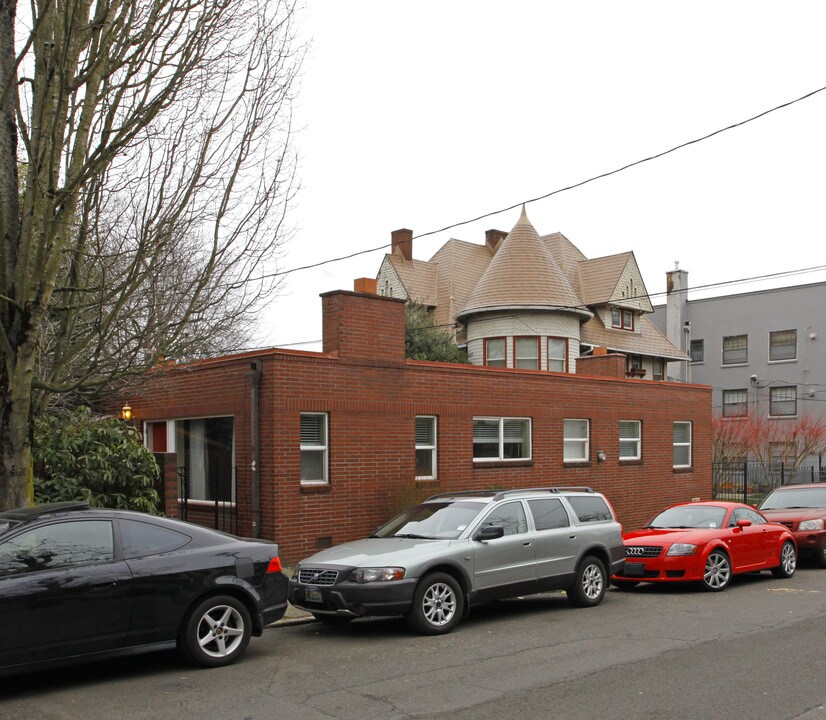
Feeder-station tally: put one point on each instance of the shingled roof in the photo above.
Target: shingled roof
(523, 274)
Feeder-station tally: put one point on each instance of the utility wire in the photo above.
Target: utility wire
(559, 190)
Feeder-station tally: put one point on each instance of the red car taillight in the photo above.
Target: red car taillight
(275, 565)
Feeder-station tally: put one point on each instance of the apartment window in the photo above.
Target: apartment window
(425, 447)
(501, 438)
(527, 353)
(735, 403)
(495, 352)
(782, 345)
(682, 444)
(575, 440)
(622, 319)
(314, 448)
(657, 372)
(558, 354)
(783, 401)
(205, 455)
(630, 438)
(735, 350)
(697, 351)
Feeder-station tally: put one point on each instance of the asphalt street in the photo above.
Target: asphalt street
(754, 651)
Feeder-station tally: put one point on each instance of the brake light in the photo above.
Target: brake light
(275, 565)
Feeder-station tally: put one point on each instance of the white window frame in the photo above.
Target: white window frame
(501, 455)
(425, 447)
(570, 441)
(322, 448)
(497, 362)
(786, 390)
(534, 359)
(631, 441)
(793, 358)
(681, 444)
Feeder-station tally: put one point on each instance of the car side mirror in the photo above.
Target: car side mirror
(490, 532)
(743, 523)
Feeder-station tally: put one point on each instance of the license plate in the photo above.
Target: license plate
(312, 594)
(634, 569)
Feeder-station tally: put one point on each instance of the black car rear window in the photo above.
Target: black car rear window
(6, 525)
(140, 539)
(590, 509)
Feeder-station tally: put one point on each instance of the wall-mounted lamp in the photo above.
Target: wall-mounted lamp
(601, 456)
(126, 412)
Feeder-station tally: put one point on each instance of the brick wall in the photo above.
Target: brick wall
(372, 402)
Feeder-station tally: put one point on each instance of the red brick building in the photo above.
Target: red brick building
(318, 448)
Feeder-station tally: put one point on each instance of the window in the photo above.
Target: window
(575, 440)
(782, 345)
(548, 514)
(590, 508)
(697, 351)
(622, 319)
(657, 369)
(746, 514)
(501, 438)
(495, 352)
(314, 448)
(735, 403)
(558, 354)
(682, 444)
(141, 539)
(630, 439)
(425, 447)
(206, 464)
(511, 516)
(64, 544)
(527, 353)
(783, 400)
(735, 350)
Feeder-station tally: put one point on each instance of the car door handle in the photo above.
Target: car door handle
(527, 543)
(104, 583)
(572, 537)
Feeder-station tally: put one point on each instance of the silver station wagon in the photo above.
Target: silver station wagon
(435, 560)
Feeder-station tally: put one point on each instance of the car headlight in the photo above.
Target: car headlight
(383, 574)
(811, 525)
(682, 549)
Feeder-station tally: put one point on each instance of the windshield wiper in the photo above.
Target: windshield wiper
(412, 536)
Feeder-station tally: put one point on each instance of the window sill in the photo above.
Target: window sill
(315, 489)
(576, 463)
(207, 503)
(734, 365)
(631, 461)
(781, 362)
(682, 470)
(501, 463)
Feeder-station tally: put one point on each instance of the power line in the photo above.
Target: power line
(557, 191)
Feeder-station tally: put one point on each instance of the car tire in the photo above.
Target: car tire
(788, 561)
(216, 631)
(717, 571)
(332, 619)
(590, 583)
(438, 604)
(625, 584)
(820, 557)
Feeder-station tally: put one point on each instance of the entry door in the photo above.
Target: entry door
(506, 565)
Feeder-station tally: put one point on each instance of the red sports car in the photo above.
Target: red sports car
(706, 542)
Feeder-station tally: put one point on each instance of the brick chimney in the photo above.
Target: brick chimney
(363, 325)
(401, 241)
(493, 238)
(365, 285)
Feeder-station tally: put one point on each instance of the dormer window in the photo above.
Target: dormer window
(622, 319)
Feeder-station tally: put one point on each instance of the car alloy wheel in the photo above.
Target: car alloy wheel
(437, 605)
(590, 583)
(788, 561)
(717, 574)
(217, 631)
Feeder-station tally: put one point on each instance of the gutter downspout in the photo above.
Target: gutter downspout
(254, 377)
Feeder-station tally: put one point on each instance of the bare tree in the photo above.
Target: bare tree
(145, 172)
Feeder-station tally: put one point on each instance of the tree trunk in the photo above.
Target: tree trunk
(16, 469)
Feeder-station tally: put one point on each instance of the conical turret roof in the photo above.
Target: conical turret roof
(523, 275)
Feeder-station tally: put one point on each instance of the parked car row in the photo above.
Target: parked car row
(130, 582)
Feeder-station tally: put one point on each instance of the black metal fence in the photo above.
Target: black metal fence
(750, 482)
(219, 511)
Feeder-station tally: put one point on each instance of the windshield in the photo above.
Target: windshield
(808, 498)
(690, 516)
(432, 520)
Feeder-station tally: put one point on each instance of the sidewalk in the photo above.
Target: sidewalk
(293, 616)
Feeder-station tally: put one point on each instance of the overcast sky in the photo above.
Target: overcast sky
(425, 114)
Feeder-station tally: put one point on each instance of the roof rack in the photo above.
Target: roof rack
(552, 490)
(499, 494)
